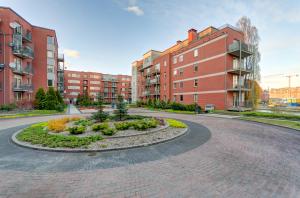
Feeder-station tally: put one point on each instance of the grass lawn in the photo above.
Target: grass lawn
(171, 111)
(285, 123)
(35, 134)
(32, 113)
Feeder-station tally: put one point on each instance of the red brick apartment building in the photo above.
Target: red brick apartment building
(209, 67)
(28, 59)
(92, 83)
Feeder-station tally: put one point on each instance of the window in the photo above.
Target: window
(180, 58)
(174, 60)
(123, 84)
(181, 98)
(175, 72)
(73, 87)
(18, 96)
(195, 52)
(94, 88)
(195, 67)
(74, 93)
(50, 39)
(50, 69)
(50, 54)
(195, 97)
(181, 72)
(75, 75)
(174, 98)
(181, 84)
(165, 75)
(74, 81)
(95, 82)
(196, 83)
(50, 82)
(174, 85)
(165, 63)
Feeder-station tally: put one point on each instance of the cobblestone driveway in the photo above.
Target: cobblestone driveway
(241, 159)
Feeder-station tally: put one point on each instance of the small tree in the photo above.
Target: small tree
(100, 116)
(59, 97)
(51, 99)
(121, 110)
(40, 99)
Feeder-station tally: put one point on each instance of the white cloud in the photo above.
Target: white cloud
(71, 53)
(135, 9)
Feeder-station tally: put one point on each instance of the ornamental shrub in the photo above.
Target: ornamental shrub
(109, 131)
(121, 110)
(77, 130)
(100, 116)
(51, 99)
(122, 125)
(100, 127)
(40, 99)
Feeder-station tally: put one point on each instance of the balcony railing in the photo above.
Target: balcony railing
(155, 81)
(243, 87)
(237, 69)
(237, 49)
(28, 70)
(27, 37)
(23, 51)
(22, 87)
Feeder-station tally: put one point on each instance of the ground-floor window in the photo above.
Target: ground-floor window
(18, 96)
(181, 97)
(174, 98)
(195, 97)
(50, 83)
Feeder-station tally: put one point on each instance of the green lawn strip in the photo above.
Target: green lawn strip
(35, 134)
(176, 123)
(272, 115)
(285, 123)
(32, 113)
(171, 110)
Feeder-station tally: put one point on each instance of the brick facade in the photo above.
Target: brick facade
(93, 83)
(28, 57)
(203, 69)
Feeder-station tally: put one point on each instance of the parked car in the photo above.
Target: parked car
(209, 108)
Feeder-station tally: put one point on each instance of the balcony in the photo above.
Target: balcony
(155, 81)
(236, 88)
(237, 69)
(156, 93)
(23, 87)
(146, 93)
(237, 49)
(23, 51)
(28, 70)
(27, 37)
(23, 71)
(156, 71)
(60, 58)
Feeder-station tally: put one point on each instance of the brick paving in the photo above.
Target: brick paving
(241, 159)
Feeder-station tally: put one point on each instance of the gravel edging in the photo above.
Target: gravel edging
(76, 150)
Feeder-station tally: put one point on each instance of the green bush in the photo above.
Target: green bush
(144, 124)
(51, 99)
(40, 99)
(77, 130)
(100, 116)
(178, 106)
(100, 127)
(122, 125)
(176, 123)
(8, 107)
(60, 107)
(121, 110)
(83, 122)
(273, 115)
(109, 131)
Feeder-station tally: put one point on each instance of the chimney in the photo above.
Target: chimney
(192, 35)
(178, 42)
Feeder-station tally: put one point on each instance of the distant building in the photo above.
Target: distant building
(93, 83)
(290, 95)
(29, 59)
(208, 67)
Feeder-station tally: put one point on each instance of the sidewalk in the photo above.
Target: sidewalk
(73, 110)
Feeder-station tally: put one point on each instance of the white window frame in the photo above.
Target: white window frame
(196, 53)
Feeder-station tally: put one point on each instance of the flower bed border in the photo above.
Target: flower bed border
(78, 150)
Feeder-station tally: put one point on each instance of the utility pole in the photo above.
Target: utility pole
(289, 77)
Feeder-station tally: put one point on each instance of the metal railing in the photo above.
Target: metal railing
(27, 36)
(235, 46)
(23, 51)
(22, 87)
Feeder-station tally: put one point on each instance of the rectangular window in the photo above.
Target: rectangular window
(165, 63)
(174, 60)
(175, 72)
(94, 88)
(180, 58)
(50, 40)
(196, 83)
(195, 97)
(174, 85)
(181, 98)
(50, 69)
(181, 72)
(195, 52)
(50, 82)
(50, 54)
(95, 82)
(174, 98)
(73, 87)
(181, 84)
(74, 81)
(165, 75)
(195, 67)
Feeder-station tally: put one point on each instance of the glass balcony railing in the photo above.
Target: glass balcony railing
(22, 87)
(237, 49)
(23, 51)
(27, 37)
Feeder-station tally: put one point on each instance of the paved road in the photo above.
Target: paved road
(73, 110)
(241, 159)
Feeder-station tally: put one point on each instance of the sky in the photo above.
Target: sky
(108, 35)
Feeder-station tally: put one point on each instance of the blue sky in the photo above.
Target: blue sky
(107, 36)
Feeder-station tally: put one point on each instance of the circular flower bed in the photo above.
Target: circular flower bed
(90, 134)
